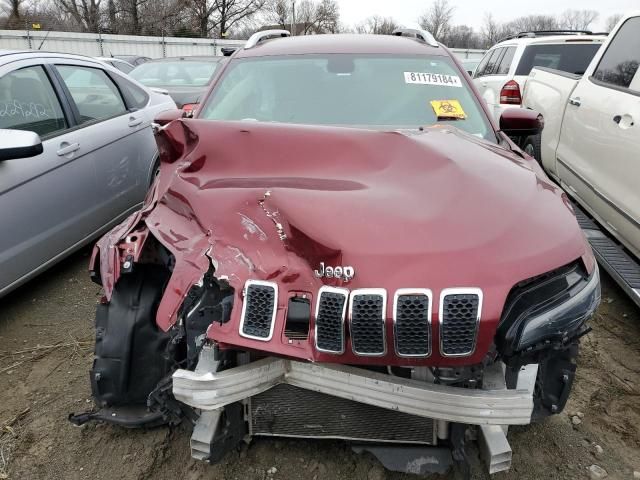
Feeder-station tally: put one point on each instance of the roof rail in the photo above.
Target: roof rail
(544, 33)
(258, 37)
(422, 35)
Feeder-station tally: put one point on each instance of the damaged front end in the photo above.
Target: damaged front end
(305, 295)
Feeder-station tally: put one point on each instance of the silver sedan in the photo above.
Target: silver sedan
(77, 155)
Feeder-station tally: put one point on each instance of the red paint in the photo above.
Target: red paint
(520, 121)
(435, 210)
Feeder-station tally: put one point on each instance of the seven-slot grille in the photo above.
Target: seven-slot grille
(459, 316)
(259, 310)
(330, 312)
(367, 321)
(412, 322)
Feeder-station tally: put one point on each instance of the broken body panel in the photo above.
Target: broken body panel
(406, 210)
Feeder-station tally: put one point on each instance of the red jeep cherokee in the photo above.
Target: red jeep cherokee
(341, 244)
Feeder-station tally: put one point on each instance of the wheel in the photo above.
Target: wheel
(532, 147)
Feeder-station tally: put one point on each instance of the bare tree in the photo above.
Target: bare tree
(278, 12)
(577, 19)
(437, 19)
(86, 13)
(322, 17)
(327, 16)
(491, 30)
(530, 23)
(462, 36)
(13, 11)
(612, 21)
(220, 15)
(378, 25)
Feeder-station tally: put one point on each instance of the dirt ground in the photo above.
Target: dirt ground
(46, 350)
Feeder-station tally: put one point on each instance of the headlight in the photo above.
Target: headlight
(549, 308)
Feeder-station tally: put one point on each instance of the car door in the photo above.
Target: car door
(598, 156)
(116, 132)
(47, 201)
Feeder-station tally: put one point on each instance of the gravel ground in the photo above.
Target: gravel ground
(46, 349)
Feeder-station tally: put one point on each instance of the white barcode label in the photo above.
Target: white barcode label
(432, 79)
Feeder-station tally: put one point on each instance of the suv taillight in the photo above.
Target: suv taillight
(189, 109)
(510, 93)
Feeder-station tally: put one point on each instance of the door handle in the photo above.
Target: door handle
(575, 101)
(134, 122)
(67, 148)
(624, 121)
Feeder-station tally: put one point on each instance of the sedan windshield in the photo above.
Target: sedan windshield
(365, 91)
(185, 73)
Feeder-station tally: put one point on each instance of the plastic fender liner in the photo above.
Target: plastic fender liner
(131, 354)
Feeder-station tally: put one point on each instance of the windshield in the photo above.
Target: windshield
(366, 91)
(175, 74)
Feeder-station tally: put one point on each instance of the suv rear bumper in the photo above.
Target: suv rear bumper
(495, 406)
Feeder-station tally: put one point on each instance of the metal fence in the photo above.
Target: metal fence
(106, 45)
(468, 53)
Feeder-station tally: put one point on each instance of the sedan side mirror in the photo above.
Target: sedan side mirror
(520, 122)
(19, 144)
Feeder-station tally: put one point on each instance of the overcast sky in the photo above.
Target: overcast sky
(471, 12)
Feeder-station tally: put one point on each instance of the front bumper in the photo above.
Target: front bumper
(496, 406)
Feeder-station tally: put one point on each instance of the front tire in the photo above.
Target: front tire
(533, 146)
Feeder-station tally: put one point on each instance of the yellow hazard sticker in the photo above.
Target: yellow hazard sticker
(448, 109)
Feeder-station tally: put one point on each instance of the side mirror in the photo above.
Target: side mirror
(520, 122)
(168, 116)
(19, 144)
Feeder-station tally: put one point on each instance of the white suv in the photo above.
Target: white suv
(502, 74)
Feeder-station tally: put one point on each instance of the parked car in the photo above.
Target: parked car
(134, 60)
(501, 77)
(591, 142)
(123, 66)
(186, 79)
(341, 238)
(470, 64)
(87, 128)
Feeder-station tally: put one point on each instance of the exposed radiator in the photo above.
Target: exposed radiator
(290, 411)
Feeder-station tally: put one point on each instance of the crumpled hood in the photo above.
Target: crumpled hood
(436, 209)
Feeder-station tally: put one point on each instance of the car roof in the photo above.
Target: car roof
(341, 43)
(113, 59)
(552, 39)
(7, 56)
(197, 58)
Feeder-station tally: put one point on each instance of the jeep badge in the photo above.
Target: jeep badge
(345, 273)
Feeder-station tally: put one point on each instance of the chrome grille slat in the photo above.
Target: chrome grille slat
(331, 309)
(259, 310)
(460, 310)
(412, 322)
(367, 311)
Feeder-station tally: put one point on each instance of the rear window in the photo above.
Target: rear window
(619, 64)
(365, 91)
(566, 57)
(185, 73)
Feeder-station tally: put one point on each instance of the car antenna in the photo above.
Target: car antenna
(44, 39)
